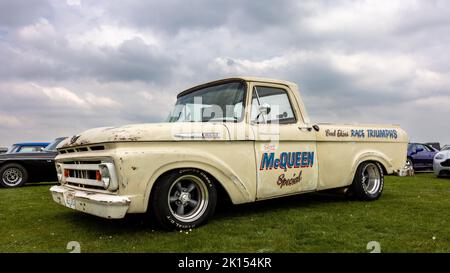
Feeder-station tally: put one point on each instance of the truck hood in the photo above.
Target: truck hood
(150, 132)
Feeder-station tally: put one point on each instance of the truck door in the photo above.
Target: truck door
(285, 149)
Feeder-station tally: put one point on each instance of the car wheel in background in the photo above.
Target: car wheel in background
(13, 175)
(369, 181)
(183, 199)
(409, 163)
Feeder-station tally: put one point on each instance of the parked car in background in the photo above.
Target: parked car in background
(441, 164)
(19, 168)
(3, 150)
(28, 147)
(420, 156)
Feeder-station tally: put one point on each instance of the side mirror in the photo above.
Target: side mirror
(264, 109)
(419, 149)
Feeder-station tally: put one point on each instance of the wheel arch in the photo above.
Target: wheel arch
(21, 163)
(379, 158)
(227, 183)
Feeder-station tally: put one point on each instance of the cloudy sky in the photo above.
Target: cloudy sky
(67, 66)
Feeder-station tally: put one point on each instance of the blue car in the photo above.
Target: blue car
(28, 147)
(420, 156)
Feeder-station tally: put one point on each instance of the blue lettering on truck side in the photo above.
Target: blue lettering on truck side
(287, 160)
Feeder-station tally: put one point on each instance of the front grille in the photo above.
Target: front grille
(82, 174)
(446, 163)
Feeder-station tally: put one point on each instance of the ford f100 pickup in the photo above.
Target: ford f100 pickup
(246, 139)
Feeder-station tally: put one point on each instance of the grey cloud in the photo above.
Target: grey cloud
(132, 60)
(23, 12)
(173, 15)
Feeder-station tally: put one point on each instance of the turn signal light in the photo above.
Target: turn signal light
(98, 176)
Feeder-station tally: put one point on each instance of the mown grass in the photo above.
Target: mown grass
(412, 216)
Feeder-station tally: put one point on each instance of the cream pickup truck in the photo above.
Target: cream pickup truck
(246, 139)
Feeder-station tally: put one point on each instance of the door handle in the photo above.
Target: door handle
(309, 128)
(305, 128)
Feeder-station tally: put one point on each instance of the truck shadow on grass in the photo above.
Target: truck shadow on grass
(225, 210)
(308, 200)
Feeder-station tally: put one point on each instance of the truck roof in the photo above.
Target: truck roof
(236, 78)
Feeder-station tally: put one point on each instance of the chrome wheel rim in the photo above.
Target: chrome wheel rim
(371, 178)
(409, 163)
(188, 198)
(12, 177)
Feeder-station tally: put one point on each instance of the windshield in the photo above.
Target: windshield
(11, 149)
(52, 146)
(217, 103)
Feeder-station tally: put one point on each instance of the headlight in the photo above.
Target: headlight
(107, 176)
(439, 156)
(59, 172)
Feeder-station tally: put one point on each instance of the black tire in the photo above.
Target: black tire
(183, 199)
(368, 183)
(13, 175)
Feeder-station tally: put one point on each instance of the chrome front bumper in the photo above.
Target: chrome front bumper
(99, 204)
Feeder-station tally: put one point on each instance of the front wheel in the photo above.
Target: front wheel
(183, 199)
(13, 175)
(369, 181)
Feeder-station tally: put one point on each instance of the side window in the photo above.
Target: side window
(420, 146)
(277, 102)
(30, 149)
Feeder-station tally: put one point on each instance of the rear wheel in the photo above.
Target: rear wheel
(369, 181)
(13, 175)
(183, 199)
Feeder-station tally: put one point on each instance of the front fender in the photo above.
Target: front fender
(235, 187)
(240, 188)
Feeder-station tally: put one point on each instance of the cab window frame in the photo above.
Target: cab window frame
(289, 121)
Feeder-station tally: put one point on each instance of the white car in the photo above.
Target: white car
(441, 162)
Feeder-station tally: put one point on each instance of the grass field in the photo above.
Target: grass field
(413, 215)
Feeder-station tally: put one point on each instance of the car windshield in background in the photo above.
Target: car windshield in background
(52, 146)
(217, 103)
(11, 149)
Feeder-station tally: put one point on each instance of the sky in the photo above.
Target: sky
(67, 66)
